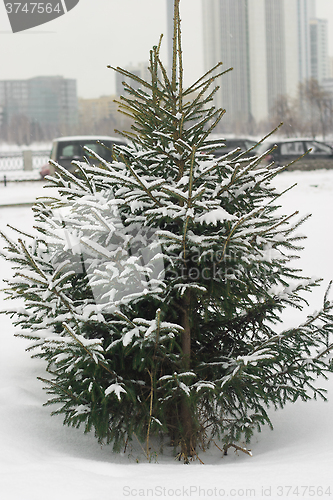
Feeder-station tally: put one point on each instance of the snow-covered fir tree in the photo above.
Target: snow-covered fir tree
(153, 285)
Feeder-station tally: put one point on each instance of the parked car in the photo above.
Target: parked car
(232, 143)
(320, 155)
(66, 149)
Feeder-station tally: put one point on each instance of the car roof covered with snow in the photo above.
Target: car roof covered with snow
(87, 137)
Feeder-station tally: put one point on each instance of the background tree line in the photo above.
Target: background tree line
(309, 114)
(21, 130)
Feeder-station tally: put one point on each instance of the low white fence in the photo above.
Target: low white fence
(26, 160)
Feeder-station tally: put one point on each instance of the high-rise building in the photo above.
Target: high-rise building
(319, 61)
(267, 42)
(140, 70)
(14, 97)
(330, 67)
(282, 49)
(170, 12)
(53, 100)
(306, 10)
(46, 100)
(226, 39)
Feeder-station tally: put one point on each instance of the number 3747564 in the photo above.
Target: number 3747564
(33, 7)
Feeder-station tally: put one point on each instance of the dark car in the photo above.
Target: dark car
(319, 155)
(67, 149)
(233, 143)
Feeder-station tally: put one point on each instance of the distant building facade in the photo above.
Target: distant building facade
(170, 13)
(46, 100)
(306, 10)
(319, 49)
(141, 70)
(95, 110)
(268, 45)
(330, 67)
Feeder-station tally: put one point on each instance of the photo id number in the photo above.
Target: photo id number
(32, 7)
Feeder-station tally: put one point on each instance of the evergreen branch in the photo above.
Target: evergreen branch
(154, 78)
(296, 226)
(137, 178)
(299, 158)
(198, 102)
(129, 115)
(12, 247)
(238, 223)
(19, 231)
(264, 138)
(54, 290)
(85, 177)
(325, 351)
(232, 445)
(174, 45)
(189, 200)
(195, 87)
(281, 222)
(168, 84)
(101, 220)
(128, 135)
(218, 114)
(214, 167)
(211, 80)
(281, 193)
(132, 76)
(133, 108)
(180, 58)
(57, 386)
(288, 333)
(78, 341)
(176, 194)
(67, 175)
(33, 280)
(158, 48)
(32, 261)
(199, 193)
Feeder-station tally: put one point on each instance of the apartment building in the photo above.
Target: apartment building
(268, 45)
(46, 100)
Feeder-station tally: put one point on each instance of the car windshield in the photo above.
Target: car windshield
(232, 144)
(292, 148)
(262, 148)
(318, 148)
(75, 150)
(250, 144)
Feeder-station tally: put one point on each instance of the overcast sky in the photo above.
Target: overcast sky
(97, 33)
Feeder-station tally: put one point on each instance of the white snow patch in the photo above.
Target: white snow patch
(116, 388)
(214, 216)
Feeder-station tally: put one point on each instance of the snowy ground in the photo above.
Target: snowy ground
(40, 458)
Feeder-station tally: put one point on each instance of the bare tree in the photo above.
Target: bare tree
(316, 107)
(286, 110)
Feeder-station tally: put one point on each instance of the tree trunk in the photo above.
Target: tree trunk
(186, 336)
(188, 441)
